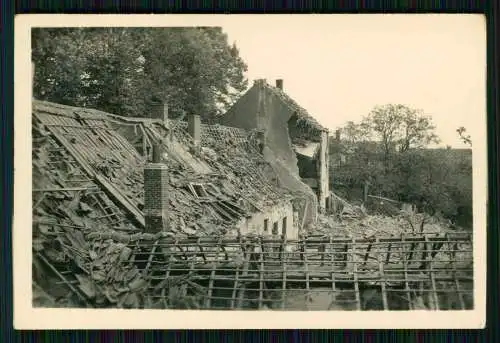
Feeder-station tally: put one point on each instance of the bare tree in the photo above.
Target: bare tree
(464, 136)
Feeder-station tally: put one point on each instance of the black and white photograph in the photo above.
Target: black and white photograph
(261, 165)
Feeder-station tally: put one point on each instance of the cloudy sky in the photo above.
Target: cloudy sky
(339, 66)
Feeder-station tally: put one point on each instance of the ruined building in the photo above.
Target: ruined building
(102, 176)
(293, 138)
(187, 178)
(160, 213)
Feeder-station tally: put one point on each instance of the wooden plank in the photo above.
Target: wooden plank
(64, 189)
(304, 216)
(150, 259)
(385, 199)
(167, 276)
(306, 267)
(383, 286)
(367, 253)
(64, 280)
(113, 193)
(285, 263)
(235, 288)
(110, 190)
(388, 256)
(334, 291)
(212, 279)
(261, 275)
(405, 266)
(433, 282)
(355, 272)
(241, 292)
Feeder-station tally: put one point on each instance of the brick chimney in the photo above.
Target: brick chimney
(279, 84)
(194, 128)
(158, 110)
(337, 135)
(156, 197)
(260, 82)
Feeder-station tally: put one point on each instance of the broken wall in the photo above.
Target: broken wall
(263, 110)
(244, 113)
(275, 214)
(308, 167)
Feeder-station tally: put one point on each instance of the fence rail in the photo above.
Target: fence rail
(428, 270)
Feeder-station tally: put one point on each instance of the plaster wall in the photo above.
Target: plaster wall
(275, 214)
(324, 171)
(261, 109)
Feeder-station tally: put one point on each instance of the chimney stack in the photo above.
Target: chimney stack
(260, 82)
(157, 152)
(159, 110)
(194, 128)
(279, 84)
(156, 195)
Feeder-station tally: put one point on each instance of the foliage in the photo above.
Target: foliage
(401, 127)
(388, 149)
(122, 70)
(462, 132)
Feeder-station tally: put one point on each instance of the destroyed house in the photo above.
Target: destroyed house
(212, 184)
(185, 179)
(291, 134)
(171, 226)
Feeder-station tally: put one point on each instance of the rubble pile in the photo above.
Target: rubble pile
(354, 221)
(349, 220)
(238, 173)
(88, 201)
(81, 253)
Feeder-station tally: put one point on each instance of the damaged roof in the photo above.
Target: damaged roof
(304, 118)
(88, 198)
(233, 176)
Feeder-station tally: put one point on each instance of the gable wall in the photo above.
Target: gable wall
(271, 115)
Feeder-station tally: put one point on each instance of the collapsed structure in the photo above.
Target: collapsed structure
(182, 179)
(293, 139)
(160, 213)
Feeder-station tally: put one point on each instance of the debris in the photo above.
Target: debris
(84, 207)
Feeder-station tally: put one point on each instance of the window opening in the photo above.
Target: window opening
(275, 228)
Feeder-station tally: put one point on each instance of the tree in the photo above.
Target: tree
(399, 127)
(437, 180)
(121, 70)
(389, 149)
(464, 136)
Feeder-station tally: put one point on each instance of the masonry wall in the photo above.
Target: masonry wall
(260, 109)
(156, 197)
(248, 118)
(275, 214)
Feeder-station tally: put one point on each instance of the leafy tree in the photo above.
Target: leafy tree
(388, 148)
(401, 127)
(462, 132)
(122, 70)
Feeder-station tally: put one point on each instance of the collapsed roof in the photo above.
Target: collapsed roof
(228, 167)
(304, 118)
(88, 198)
(88, 193)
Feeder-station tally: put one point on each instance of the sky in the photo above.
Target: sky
(338, 67)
